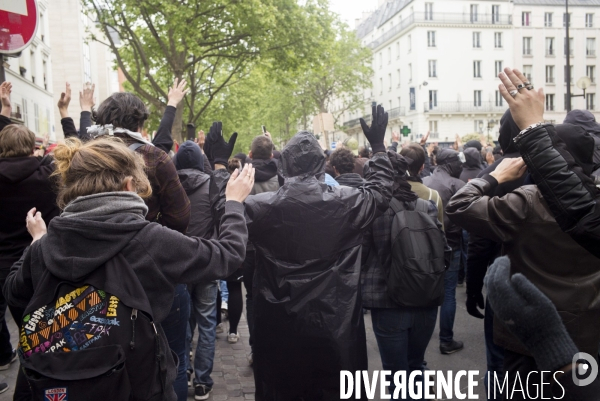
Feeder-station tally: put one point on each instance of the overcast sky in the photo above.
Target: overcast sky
(349, 10)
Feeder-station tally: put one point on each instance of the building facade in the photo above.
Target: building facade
(31, 76)
(436, 63)
(78, 59)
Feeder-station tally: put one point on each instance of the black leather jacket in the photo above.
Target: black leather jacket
(573, 205)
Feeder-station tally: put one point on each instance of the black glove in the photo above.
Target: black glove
(376, 133)
(474, 301)
(530, 316)
(217, 150)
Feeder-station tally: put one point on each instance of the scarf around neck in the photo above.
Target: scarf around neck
(106, 203)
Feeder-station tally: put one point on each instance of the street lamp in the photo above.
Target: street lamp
(583, 83)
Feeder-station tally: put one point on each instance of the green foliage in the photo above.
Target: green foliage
(470, 137)
(248, 62)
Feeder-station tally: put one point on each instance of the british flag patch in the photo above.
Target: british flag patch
(56, 394)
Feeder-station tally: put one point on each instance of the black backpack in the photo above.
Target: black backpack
(92, 340)
(416, 276)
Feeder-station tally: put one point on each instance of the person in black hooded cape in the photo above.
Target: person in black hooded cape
(308, 237)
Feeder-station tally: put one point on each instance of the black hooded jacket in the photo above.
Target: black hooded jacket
(445, 180)
(308, 236)
(76, 247)
(25, 183)
(265, 177)
(190, 164)
(472, 166)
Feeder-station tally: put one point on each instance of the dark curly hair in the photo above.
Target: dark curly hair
(122, 110)
(342, 160)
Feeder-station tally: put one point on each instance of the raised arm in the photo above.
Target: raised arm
(5, 90)
(66, 122)
(498, 219)
(377, 190)
(207, 260)
(163, 138)
(570, 195)
(86, 101)
(18, 288)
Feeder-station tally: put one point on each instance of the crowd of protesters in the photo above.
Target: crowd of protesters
(113, 249)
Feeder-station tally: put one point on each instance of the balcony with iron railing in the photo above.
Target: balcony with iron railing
(463, 107)
(442, 18)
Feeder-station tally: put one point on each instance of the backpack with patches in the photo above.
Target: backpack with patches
(92, 340)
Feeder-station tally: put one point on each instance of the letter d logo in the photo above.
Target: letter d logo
(590, 366)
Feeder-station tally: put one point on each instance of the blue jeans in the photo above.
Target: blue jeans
(494, 353)
(448, 308)
(175, 328)
(402, 337)
(204, 301)
(224, 291)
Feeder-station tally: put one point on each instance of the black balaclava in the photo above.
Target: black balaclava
(473, 144)
(472, 157)
(585, 119)
(189, 155)
(449, 161)
(508, 131)
(402, 189)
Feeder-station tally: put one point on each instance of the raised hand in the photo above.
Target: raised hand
(5, 91)
(376, 133)
(424, 139)
(35, 225)
(177, 92)
(86, 97)
(215, 147)
(509, 169)
(395, 136)
(240, 184)
(526, 106)
(201, 139)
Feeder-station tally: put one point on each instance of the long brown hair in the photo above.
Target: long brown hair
(97, 166)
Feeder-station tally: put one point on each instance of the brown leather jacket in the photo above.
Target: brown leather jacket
(537, 247)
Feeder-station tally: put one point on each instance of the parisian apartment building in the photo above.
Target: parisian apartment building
(61, 52)
(435, 63)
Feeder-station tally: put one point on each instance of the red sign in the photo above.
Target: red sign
(18, 24)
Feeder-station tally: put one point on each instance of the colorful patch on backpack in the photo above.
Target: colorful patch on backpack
(74, 322)
(56, 394)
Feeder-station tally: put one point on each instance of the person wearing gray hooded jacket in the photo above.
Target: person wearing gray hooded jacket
(190, 164)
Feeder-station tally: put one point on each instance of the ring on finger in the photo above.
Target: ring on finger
(520, 86)
(529, 87)
(514, 93)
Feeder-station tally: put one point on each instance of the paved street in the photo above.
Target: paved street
(234, 381)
